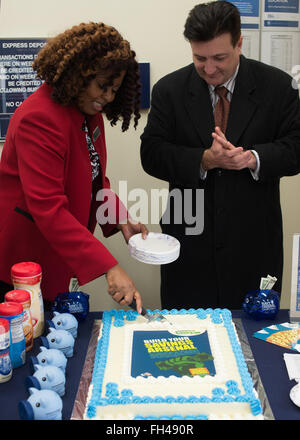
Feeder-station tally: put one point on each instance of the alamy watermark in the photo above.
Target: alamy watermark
(179, 206)
(296, 76)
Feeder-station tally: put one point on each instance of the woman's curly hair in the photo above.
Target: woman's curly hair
(69, 61)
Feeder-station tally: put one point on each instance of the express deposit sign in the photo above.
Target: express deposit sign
(17, 78)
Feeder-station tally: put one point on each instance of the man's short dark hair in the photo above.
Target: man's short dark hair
(210, 20)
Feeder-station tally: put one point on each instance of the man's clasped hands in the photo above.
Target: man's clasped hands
(223, 154)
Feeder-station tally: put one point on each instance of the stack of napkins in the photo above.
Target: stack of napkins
(157, 248)
(292, 362)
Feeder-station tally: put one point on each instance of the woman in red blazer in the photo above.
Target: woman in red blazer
(54, 161)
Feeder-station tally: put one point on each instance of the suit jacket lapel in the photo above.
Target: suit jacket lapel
(244, 103)
(199, 108)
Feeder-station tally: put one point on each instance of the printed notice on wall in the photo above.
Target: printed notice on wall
(281, 14)
(280, 40)
(249, 11)
(251, 44)
(281, 49)
(17, 78)
(250, 24)
(295, 281)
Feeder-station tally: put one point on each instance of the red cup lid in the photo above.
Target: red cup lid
(26, 269)
(4, 325)
(10, 309)
(18, 295)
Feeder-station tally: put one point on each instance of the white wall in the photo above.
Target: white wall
(154, 29)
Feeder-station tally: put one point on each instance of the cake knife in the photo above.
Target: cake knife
(150, 317)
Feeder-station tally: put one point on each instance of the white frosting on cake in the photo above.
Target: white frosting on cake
(179, 397)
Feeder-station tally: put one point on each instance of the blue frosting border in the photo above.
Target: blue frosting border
(114, 397)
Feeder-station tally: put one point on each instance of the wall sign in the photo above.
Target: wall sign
(281, 34)
(250, 13)
(281, 14)
(18, 79)
(250, 25)
(295, 282)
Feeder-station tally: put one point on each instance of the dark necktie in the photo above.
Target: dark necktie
(221, 108)
(94, 158)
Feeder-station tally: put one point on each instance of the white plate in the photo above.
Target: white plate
(295, 395)
(156, 249)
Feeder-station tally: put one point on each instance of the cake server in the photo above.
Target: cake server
(150, 317)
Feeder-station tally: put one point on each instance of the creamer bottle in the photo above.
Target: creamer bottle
(13, 312)
(23, 297)
(28, 276)
(5, 362)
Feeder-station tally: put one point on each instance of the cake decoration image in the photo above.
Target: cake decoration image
(162, 354)
(187, 365)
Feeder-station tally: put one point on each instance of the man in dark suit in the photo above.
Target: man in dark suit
(238, 165)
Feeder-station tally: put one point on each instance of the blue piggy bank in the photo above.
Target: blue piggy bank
(47, 378)
(41, 405)
(49, 356)
(76, 303)
(64, 321)
(59, 339)
(261, 304)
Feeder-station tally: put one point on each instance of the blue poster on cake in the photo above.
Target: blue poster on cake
(160, 353)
